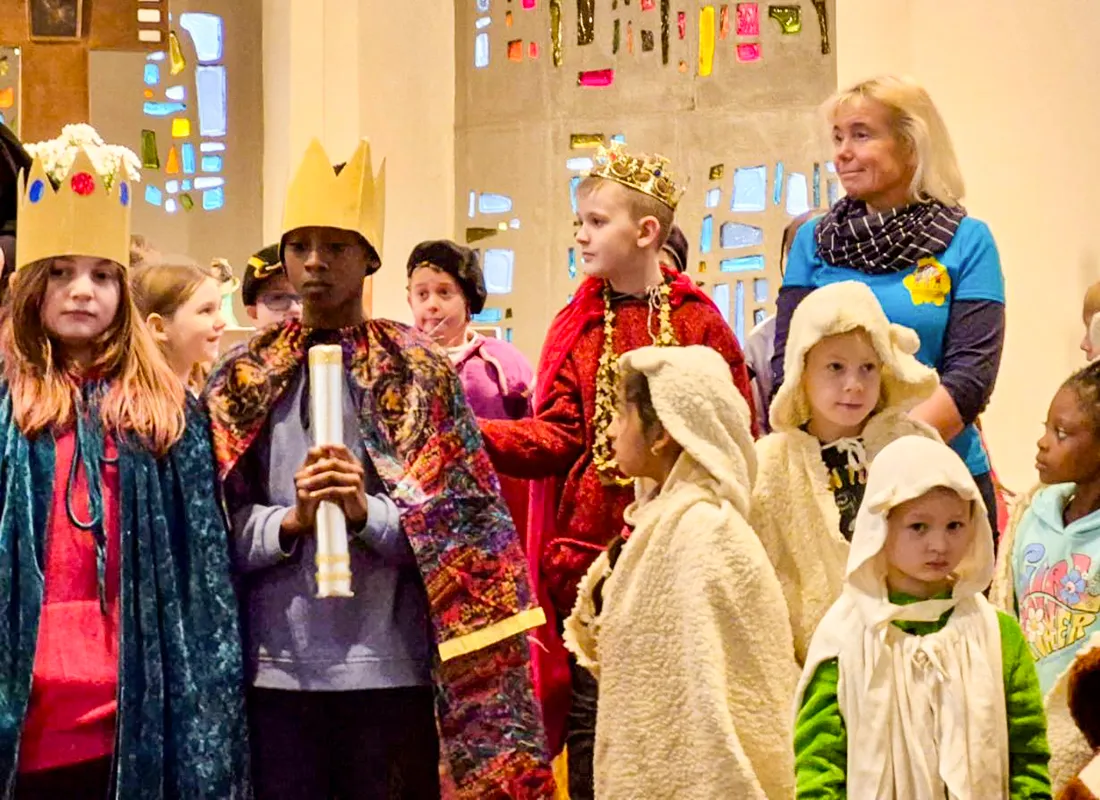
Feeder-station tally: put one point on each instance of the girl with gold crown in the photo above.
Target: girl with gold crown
(120, 658)
(625, 212)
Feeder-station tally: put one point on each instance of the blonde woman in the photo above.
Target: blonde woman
(902, 231)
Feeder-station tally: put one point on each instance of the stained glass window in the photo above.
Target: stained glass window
(742, 264)
(572, 263)
(494, 203)
(798, 194)
(713, 198)
(750, 189)
(488, 316)
(739, 311)
(498, 265)
(206, 33)
(777, 185)
(737, 234)
(152, 74)
(721, 297)
(481, 50)
(759, 316)
(706, 238)
(760, 290)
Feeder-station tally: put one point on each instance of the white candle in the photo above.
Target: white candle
(326, 398)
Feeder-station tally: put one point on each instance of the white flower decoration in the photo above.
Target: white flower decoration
(57, 155)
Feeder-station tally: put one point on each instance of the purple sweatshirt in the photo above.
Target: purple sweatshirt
(497, 379)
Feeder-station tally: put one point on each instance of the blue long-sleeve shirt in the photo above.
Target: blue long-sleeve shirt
(380, 638)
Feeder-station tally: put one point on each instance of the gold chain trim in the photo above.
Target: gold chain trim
(607, 377)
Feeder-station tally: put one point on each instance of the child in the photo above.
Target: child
(181, 304)
(268, 297)
(446, 287)
(682, 618)
(674, 253)
(625, 209)
(420, 679)
(1047, 574)
(851, 377)
(121, 660)
(915, 686)
(1091, 343)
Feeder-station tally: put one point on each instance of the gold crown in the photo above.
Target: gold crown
(354, 200)
(650, 174)
(83, 217)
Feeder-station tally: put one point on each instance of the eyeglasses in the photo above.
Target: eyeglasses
(279, 301)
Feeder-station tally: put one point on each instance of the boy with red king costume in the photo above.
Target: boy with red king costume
(625, 211)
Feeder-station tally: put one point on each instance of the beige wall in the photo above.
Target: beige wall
(1018, 90)
(364, 68)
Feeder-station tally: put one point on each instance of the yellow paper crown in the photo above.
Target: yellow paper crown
(82, 218)
(354, 200)
(650, 174)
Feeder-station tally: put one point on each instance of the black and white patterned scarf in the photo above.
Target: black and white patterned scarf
(878, 243)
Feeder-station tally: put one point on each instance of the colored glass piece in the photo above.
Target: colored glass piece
(760, 290)
(82, 183)
(618, 137)
(175, 55)
(665, 35)
(742, 264)
(717, 171)
(160, 55)
(483, 6)
(834, 192)
(823, 25)
(713, 197)
(211, 92)
(38, 187)
(748, 19)
(579, 164)
(586, 21)
(477, 234)
(647, 41)
(473, 204)
(152, 74)
(528, 4)
(798, 194)
(507, 19)
(212, 147)
(153, 195)
(187, 202)
(681, 24)
(162, 109)
(648, 5)
(724, 24)
(533, 50)
(172, 187)
(481, 50)
(514, 224)
(494, 203)
(738, 234)
(213, 200)
(207, 34)
(706, 40)
(185, 184)
(572, 263)
(488, 316)
(483, 22)
(515, 50)
(750, 189)
(739, 311)
(209, 183)
(706, 236)
(721, 297)
(149, 156)
(574, 182)
(181, 128)
(817, 185)
(556, 32)
(147, 94)
(170, 206)
(788, 17)
(777, 190)
(172, 167)
(596, 77)
(830, 167)
(615, 37)
(498, 266)
(177, 93)
(747, 53)
(683, 67)
(585, 141)
(630, 38)
(759, 316)
(508, 335)
(211, 163)
(124, 193)
(187, 152)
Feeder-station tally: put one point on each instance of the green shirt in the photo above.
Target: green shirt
(821, 740)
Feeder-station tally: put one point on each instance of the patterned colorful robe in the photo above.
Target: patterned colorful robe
(424, 444)
(181, 727)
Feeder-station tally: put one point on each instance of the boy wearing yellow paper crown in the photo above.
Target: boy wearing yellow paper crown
(120, 654)
(348, 694)
(625, 212)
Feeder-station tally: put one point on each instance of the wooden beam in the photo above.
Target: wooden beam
(55, 88)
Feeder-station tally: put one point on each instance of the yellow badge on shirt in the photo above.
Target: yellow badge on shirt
(929, 283)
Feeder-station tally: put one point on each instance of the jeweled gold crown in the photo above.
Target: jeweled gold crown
(81, 218)
(354, 200)
(650, 174)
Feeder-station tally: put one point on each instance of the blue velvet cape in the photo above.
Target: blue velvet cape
(181, 732)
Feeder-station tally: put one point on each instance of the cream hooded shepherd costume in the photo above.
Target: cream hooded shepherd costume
(692, 647)
(793, 508)
(950, 713)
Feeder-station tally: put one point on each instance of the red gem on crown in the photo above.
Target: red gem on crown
(82, 183)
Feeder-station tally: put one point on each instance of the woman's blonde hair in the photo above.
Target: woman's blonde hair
(162, 287)
(919, 127)
(144, 397)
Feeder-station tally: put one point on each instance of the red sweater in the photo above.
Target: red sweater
(71, 717)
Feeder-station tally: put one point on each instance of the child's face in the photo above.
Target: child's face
(326, 266)
(842, 379)
(927, 537)
(438, 306)
(81, 299)
(192, 334)
(1069, 450)
(608, 235)
(276, 302)
(1091, 343)
(632, 449)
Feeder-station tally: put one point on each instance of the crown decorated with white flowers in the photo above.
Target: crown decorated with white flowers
(354, 200)
(87, 215)
(650, 174)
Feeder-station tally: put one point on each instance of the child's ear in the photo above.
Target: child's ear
(662, 442)
(649, 232)
(251, 311)
(157, 327)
